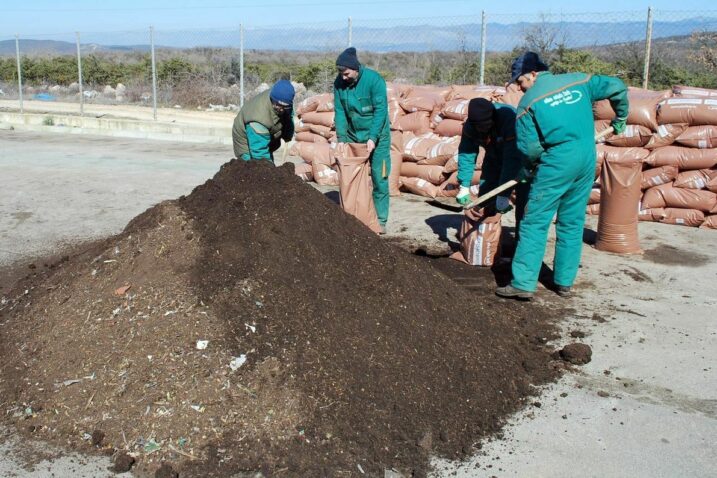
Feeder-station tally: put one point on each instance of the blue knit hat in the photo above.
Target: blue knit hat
(282, 91)
(348, 59)
(525, 63)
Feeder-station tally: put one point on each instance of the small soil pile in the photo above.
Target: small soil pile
(253, 326)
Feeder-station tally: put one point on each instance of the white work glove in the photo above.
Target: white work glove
(464, 196)
(502, 204)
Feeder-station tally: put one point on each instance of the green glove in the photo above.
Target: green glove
(464, 196)
(619, 125)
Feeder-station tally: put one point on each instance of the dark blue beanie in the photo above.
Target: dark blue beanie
(525, 63)
(282, 91)
(348, 59)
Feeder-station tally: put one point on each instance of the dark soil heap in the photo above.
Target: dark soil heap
(359, 357)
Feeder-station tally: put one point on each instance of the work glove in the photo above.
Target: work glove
(464, 196)
(619, 125)
(502, 204)
(524, 175)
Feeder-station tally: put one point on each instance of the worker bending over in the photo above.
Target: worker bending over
(263, 122)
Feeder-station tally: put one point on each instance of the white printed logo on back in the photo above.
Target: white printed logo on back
(567, 97)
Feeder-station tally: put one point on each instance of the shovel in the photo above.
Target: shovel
(513, 182)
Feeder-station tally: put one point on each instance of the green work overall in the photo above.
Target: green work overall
(556, 134)
(361, 114)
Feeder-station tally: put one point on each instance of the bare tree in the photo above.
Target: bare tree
(544, 38)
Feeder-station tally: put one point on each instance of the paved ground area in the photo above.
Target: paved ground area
(646, 406)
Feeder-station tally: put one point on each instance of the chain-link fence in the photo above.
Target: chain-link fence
(219, 68)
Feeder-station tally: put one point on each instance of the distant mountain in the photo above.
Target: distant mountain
(419, 38)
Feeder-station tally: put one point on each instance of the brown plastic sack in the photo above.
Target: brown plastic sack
(593, 209)
(431, 173)
(642, 110)
(448, 189)
(651, 215)
(701, 137)
(633, 136)
(304, 171)
(712, 185)
(419, 186)
(657, 176)
(418, 147)
(394, 113)
(594, 195)
(421, 101)
(311, 152)
(683, 217)
(309, 137)
(621, 155)
(665, 135)
(671, 197)
(355, 188)
(322, 102)
(693, 111)
(451, 165)
(441, 152)
(479, 238)
(695, 179)
(619, 201)
(455, 109)
(323, 118)
(321, 166)
(683, 158)
(693, 91)
(449, 127)
(321, 130)
(394, 179)
(468, 92)
(397, 90)
(511, 96)
(416, 123)
(710, 222)
(443, 91)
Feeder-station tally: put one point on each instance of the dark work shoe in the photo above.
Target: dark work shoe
(510, 292)
(562, 290)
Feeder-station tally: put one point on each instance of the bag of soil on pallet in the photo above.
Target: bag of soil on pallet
(665, 135)
(394, 179)
(309, 137)
(633, 136)
(693, 111)
(683, 158)
(422, 101)
(322, 103)
(683, 217)
(322, 118)
(692, 91)
(695, 179)
(416, 123)
(643, 108)
(355, 188)
(479, 238)
(656, 176)
(441, 152)
(620, 193)
(304, 171)
(419, 186)
(311, 152)
(322, 171)
(701, 137)
(668, 196)
(710, 222)
(652, 214)
(431, 173)
(449, 128)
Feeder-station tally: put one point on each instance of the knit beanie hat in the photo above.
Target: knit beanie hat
(282, 91)
(480, 114)
(348, 59)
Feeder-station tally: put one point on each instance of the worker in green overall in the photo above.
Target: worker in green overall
(556, 134)
(361, 116)
(491, 126)
(263, 122)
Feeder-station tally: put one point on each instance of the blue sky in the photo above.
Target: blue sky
(53, 16)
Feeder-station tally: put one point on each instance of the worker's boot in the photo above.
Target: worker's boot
(562, 290)
(382, 231)
(510, 292)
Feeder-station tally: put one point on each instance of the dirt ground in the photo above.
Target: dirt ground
(644, 406)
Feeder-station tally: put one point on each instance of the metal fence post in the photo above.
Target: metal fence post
(19, 71)
(241, 65)
(79, 75)
(482, 48)
(350, 32)
(154, 73)
(648, 48)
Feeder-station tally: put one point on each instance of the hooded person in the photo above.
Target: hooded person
(555, 132)
(492, 127)
(263, 122)
(361, 116)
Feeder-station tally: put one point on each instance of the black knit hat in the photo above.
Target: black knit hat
(348, 59)
(480, 114)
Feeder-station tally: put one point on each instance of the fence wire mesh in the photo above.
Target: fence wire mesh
(217, 68)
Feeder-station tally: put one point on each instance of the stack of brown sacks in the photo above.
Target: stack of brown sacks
(426, 124)
(673, 134)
